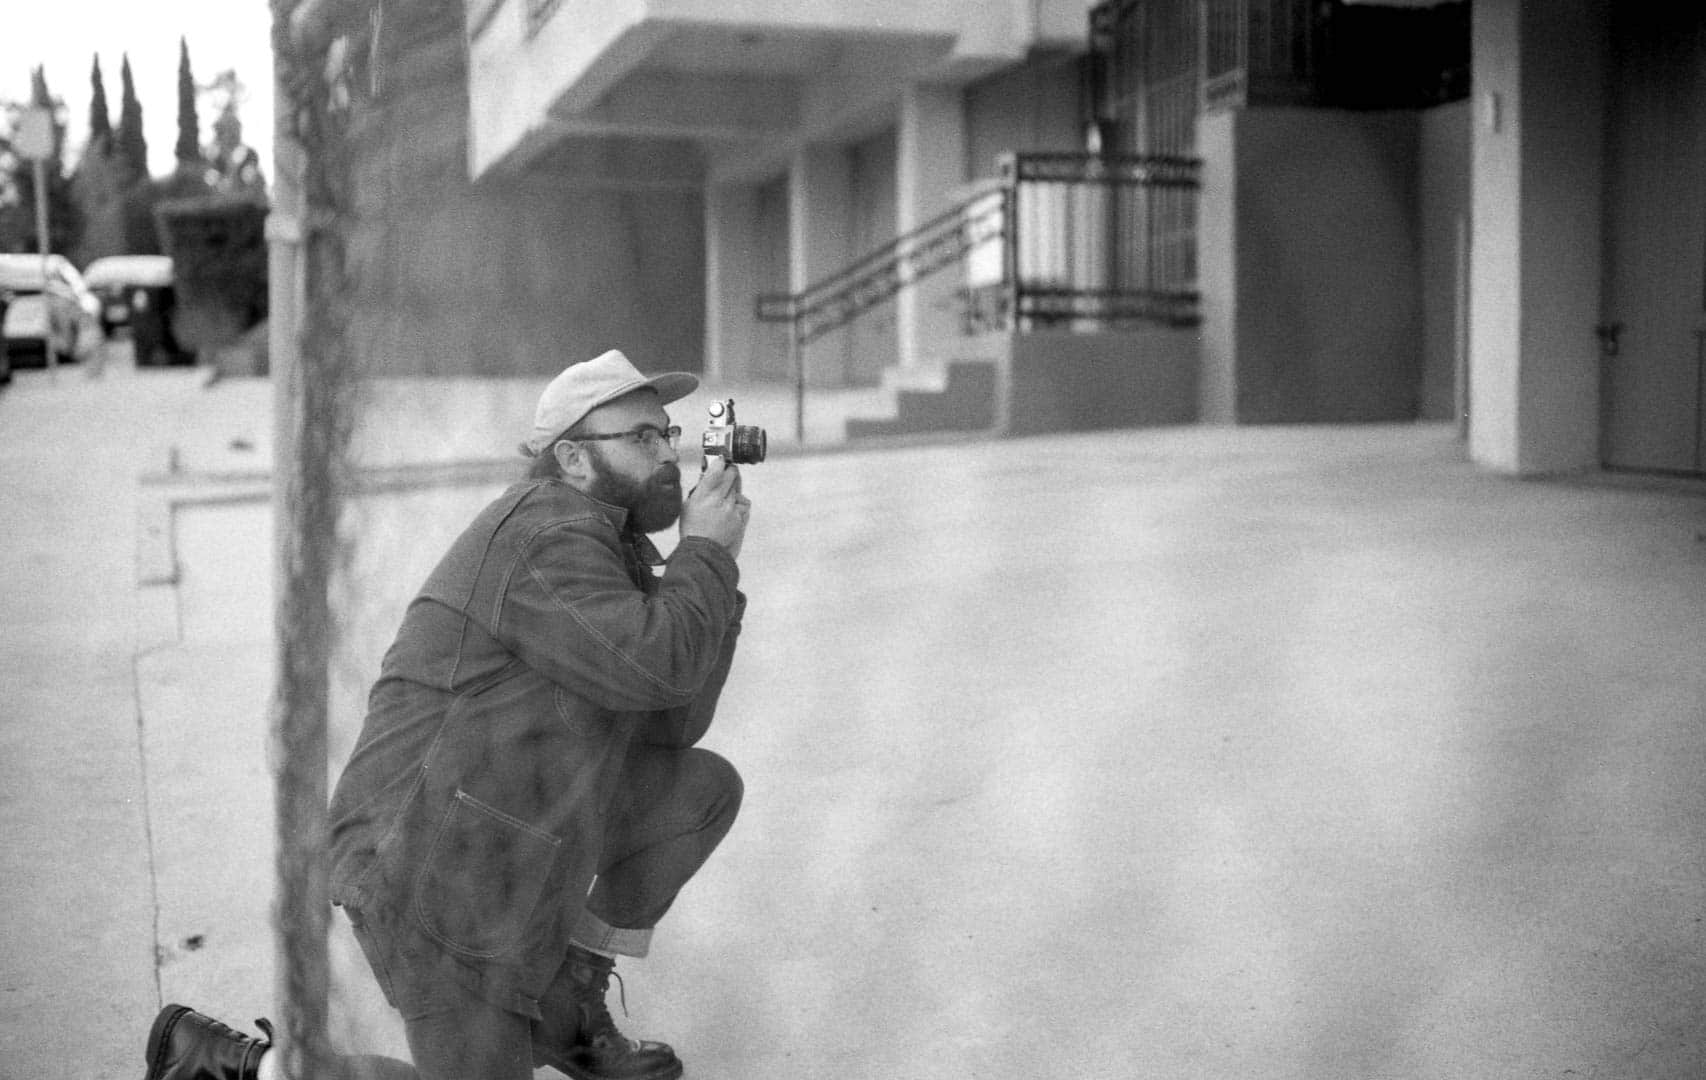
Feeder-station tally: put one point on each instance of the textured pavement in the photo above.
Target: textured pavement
(1300, 753)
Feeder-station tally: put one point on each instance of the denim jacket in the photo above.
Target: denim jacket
(465, 828)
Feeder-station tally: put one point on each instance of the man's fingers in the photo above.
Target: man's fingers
(721, 479)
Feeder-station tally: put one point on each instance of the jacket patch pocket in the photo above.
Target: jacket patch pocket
(581, 717)
(482, 879)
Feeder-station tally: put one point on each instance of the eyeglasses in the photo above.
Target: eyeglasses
(646, 437)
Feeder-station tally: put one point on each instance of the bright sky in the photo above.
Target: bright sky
(66, 35)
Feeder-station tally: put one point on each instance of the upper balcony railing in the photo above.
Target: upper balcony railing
(1157, 64)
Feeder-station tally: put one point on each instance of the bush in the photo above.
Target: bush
(219, 267)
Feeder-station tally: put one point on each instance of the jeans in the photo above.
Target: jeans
(672, 809)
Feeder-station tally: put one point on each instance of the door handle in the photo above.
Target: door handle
(1608, 334)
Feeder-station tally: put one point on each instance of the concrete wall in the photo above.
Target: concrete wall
(1316, 240)
(1537, 261)
(507, 276)
(1062, 381)
(1032, 107)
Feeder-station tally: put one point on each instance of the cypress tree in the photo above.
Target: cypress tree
(132, 144)
(188, 150)
(100, 123)
(96, 187)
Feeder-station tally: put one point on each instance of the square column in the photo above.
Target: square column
(731, 281)
(930, 172)
(1536, 273)
(819, 244)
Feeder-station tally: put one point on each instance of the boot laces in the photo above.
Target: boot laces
(599, 1022)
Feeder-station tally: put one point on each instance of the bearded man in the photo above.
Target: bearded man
(525, 799)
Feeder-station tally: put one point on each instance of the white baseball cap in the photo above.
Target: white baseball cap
(583, 387)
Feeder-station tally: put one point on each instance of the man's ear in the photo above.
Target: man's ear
(575, 462)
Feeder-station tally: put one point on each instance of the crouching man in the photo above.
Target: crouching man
(525, 799)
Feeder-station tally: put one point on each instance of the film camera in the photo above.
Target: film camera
(736, 444)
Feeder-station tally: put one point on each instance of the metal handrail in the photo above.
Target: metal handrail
(994, 215)
(882, 267)
(950, 235)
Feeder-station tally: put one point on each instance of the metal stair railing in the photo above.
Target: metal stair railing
(837, 300)
(1085, 239)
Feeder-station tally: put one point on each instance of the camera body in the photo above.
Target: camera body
(736, 444)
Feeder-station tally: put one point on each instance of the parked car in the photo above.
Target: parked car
(49, 307)
(115, 279)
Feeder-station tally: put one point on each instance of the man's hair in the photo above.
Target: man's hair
(544, 464)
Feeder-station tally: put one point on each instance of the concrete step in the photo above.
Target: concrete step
(965, 402)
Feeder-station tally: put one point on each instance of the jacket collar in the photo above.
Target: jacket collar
(642, 544)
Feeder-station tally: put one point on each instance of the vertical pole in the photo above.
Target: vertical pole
(1460, 328)
(1010, 288)
(1010, 204)
(1700, 401)
(44, 247)
(797, 350)
(312, 392)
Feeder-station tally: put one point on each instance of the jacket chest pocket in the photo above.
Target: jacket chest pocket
(482, 878)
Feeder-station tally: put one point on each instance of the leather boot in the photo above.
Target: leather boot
(597, 1050)
(185, 1045)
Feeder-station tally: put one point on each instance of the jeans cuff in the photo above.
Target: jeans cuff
(595, 934)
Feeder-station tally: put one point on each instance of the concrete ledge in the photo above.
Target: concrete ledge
(155, 561)
(1061, 381)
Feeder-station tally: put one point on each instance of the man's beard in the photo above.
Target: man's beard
(653, 504)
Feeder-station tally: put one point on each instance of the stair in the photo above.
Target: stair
(965, 402)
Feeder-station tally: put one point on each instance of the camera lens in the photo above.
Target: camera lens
(750, 444)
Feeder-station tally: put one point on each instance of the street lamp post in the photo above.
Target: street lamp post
(33, 139)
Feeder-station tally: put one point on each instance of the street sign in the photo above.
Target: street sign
(34, 135)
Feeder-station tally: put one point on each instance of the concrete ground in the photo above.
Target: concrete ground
(1300, 753)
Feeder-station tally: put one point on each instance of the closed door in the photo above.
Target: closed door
(1653, 326)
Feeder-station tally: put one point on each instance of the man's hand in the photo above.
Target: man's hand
(715, 508)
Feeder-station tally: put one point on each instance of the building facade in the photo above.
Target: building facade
(1135, 212)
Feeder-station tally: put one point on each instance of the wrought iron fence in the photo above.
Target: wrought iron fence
(1100, 241)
